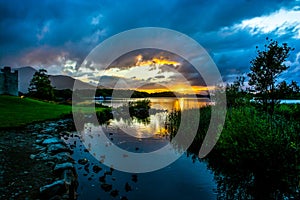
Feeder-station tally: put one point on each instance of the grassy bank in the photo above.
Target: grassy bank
(16, 111)
(256, 156)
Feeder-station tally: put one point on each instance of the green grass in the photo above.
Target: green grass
(16, 111)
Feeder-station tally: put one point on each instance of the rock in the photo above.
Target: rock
(69, 176)
(108, 173)
(48, 130)
(37, 126)
(57, 148)
(34, 133)
(43, 136)
(83, 161)
(44, 156)
(127, 187)
(102, 178)
(63, 133)
(55, 188)
(38, 141)
(71, 183)
(32, 156)
(114, 193)
(96, 169)
(61, 167)
(124, 198)
(63, 157)
(106, 187)
(39, 147)
(50, 163)
(53, 140)
(134, 178)
(86, 168)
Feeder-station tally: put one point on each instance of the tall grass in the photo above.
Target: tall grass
(257, 151)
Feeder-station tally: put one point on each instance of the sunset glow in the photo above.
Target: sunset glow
(149, 71)
(184, 89)
(154, 61)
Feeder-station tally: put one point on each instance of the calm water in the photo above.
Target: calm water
(165, 103)
(186, 178)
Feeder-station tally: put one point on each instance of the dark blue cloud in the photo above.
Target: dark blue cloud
(38, 32)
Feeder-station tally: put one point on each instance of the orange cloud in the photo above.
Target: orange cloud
(154, 61)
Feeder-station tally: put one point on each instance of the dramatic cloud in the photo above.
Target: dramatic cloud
(281, 22)
(144, 67)
(58, 35)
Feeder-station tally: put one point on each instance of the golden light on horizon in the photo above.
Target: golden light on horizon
(139, 58)
(183, 89)
(154, 61)
(155, 74)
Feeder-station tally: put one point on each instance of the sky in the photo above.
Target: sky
(58, 35)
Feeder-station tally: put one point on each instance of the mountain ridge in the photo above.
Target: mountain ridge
(59, 82)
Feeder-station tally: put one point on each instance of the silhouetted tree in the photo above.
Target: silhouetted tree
(287, 91)
(40, 86)
(265, 69)
(236, 94)
(295, 88)
(284, 90)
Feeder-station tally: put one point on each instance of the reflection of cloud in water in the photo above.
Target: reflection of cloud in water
(137, 128)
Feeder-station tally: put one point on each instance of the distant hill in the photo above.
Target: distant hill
(58, 81)
(25, 75)
(66, 82)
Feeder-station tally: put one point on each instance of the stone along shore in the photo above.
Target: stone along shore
(36, 163)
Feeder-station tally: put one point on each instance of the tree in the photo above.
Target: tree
(284, 90)
(295, 88)
(265, 70)
(236, 94)
(40, 86)
(288, 91)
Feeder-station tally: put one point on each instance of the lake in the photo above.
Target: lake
(186, 178)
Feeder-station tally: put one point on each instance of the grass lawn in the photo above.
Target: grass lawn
(15, 111)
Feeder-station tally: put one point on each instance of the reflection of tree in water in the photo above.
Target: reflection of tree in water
(252, 182)
(145, 121)
(133, 111)
(245, 172)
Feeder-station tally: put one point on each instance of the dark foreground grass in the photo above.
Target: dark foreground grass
(16, 111)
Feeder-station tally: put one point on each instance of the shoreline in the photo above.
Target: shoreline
(37, 164)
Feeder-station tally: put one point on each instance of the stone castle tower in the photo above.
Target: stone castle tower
(8, 81)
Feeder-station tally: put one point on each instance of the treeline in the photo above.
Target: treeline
(138, 94)
(131, 93)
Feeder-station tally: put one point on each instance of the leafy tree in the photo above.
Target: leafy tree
(265, 70)
(287, 91)
(284, 90)
(236, 94)
(40, 86)
(295, 88)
